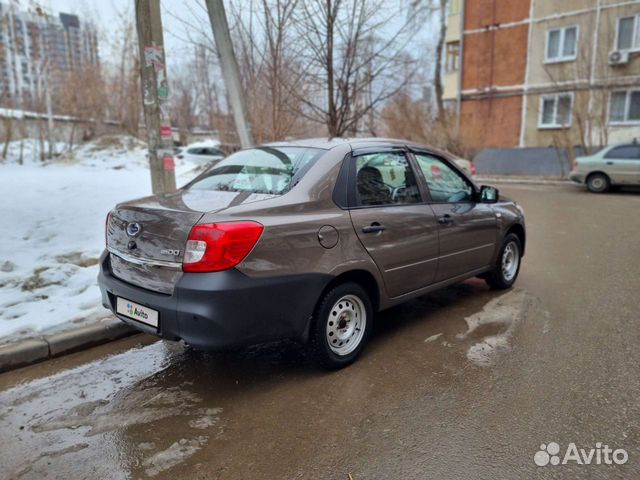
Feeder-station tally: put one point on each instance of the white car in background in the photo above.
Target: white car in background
(204, 153)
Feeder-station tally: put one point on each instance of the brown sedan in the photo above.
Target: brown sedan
(305, 240)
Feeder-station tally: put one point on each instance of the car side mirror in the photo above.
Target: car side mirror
(489, 194)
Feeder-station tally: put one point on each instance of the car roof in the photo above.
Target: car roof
(209, 144)
(354, 143)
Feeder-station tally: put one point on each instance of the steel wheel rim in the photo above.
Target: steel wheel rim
(597, 183)
(346, 324)
(510, 261)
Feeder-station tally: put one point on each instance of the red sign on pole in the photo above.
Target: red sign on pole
(168, 162)
(165, 131)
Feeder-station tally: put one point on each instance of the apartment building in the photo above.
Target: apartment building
(538, 73)
(36, 48)
(452, 57)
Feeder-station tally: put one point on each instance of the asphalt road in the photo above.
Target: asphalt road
(464, 383)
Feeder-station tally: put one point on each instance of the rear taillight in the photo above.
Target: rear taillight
(219, 246)
(473, 169)
(106, 229)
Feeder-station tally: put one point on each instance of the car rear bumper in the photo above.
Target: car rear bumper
(577, 177)
(219, 310)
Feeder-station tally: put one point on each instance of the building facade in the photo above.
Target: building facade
(538, 73)
(452, 55)
(37, 49)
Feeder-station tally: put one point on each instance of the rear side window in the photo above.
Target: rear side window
(385, 179)
(269, 170)
(628, 152)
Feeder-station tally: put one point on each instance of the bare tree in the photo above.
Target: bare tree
(122, 79)
(268, 56)
(81, 96)
(423, 11)
(184, 102)
(590, 82)
(352, 66)
(404, 117)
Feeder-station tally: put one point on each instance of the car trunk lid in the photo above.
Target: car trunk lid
(146, 237)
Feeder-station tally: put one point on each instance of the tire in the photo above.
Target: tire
(598, 183)
(503, 275)
(340, 326)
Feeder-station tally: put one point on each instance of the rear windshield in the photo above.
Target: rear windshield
(270, 170)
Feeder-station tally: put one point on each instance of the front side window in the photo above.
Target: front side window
(385, 179)
(628, 33)
(268, 170)
(445, 184)
(562, 44)
(555, 111)
(625, 106)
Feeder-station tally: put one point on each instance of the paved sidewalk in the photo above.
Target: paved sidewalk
(515, 179)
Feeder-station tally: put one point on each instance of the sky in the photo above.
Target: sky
(104, 14)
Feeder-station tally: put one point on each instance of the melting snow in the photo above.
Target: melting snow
(52, 229)
(500, 314)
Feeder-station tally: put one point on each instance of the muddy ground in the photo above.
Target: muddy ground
(463, 383)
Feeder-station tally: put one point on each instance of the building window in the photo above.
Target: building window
(555, 111)
(562, 44)
(625, 107)
(628, 37)
(452, 60)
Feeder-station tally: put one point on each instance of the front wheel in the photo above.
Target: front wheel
(507, 265)
(340, 326)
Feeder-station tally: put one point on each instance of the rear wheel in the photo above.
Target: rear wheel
(340, 326)
(598, 183)
(507, 265)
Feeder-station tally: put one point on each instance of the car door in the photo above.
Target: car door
(392, 220)
(622, 164)
(467, 229)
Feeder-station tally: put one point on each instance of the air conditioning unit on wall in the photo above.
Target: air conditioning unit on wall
(618, 57)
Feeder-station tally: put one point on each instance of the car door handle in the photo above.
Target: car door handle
(375, 227)
(609, 163)
(445, 219)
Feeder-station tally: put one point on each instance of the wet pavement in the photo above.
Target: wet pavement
(462, 383)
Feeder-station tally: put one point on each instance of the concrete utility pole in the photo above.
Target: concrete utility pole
(230, 71)
(155, 93)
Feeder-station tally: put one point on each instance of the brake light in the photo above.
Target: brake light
(106, 229)
(473, 168)
(219, 246)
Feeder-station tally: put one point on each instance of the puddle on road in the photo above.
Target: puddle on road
(172, 456)
(88, 413)
(489, 331)
(493, 326)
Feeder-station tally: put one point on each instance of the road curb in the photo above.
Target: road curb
(523, 180)
(34, 350)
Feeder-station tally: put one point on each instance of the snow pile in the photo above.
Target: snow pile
(111, 151)
(30, 148)
(52, 231)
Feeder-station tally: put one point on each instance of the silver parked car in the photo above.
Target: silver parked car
(615, 165)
